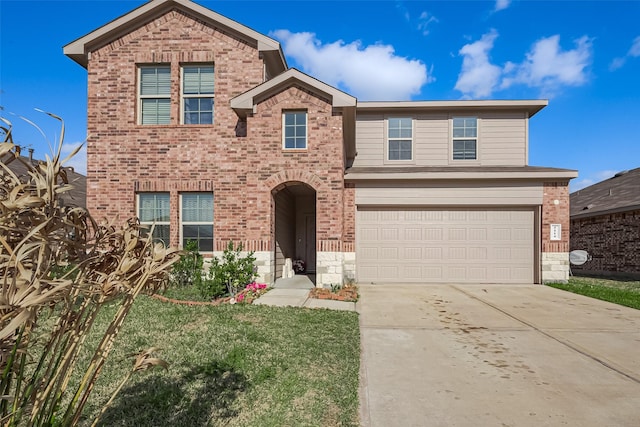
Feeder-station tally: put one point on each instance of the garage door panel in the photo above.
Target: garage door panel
(432, 254)
(456, 245)
(433, 234)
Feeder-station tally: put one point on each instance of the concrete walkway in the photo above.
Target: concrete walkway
(294, 292)
(496, 356)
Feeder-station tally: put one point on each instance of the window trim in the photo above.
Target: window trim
(476, 138)
(387, 160)
(151, 223)
(306, 129)
(183, 223)
(140, 67)
(184, 96)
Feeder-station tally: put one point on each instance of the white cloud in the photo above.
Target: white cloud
(478, 76)
(617, 63)
(77, 162)
(424, 21)
(633, 52)
(548, 67)
(371, 72)
(501, 5)
(635, 48)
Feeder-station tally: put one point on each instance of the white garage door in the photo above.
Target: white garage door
(445, 246)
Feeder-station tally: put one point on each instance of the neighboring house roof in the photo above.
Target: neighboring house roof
(77, 196)
(619, 193)
(530, 106)
(456, 172)
(79, 49)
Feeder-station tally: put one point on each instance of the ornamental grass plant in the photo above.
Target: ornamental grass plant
(58, 268)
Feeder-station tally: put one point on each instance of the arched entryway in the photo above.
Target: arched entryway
(295, 226)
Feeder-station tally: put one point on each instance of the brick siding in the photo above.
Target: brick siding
(241, 168)
(612, 240)
(555, 213)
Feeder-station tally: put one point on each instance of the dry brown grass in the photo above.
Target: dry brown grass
(56, 258)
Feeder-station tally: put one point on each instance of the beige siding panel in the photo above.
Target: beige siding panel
(426, 245)
(370, 141)
(449, 194)
(502, 139)
(431, 139)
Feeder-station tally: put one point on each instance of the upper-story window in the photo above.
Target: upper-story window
(155, 95)
(294, 124)
(400, 138)
(154, 211)
(465, 138)
(197, 94)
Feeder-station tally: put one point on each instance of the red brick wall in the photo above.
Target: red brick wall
(350, 216)
(124, 157)
(612, 240)
(321, 165)
(555, 213)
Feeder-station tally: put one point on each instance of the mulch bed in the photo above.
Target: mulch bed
(347, 293)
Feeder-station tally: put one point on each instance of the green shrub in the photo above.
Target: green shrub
(188, 270)
(231, 272)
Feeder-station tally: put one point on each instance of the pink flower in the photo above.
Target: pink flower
(240, 297)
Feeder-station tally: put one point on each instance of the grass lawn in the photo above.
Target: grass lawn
(234, 365)
(623, 292)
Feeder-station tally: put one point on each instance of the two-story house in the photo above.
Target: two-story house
(197, 124)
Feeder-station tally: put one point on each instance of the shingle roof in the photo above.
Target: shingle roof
(617, 194)
(77, 196)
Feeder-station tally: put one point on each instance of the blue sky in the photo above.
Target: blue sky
(582, 56)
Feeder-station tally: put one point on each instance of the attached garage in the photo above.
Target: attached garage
(452, 245)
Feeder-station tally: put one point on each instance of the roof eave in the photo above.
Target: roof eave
(530, 106)
(528, 175)
(245, 103)
(621, 209)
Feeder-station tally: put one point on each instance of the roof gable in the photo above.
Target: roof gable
(617, 194)
(79, 49)
(246, 102)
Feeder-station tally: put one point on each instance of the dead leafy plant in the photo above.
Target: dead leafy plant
(56, 260)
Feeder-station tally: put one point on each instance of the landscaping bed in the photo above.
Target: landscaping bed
(347, 293)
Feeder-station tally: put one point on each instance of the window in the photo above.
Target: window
(154, 208)
(155, 95)
(400, 138)
(197, 220)
(197, 95)
(465, 138)
(295, 129)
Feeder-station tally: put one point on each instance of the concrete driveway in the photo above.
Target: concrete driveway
(496, 355)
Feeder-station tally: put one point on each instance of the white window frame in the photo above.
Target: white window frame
(388, 139)
(306, 129)
(183, 223)
(184, 96)
(156, 223)
(466, 138)
(152, 96)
